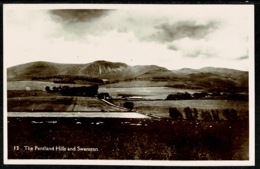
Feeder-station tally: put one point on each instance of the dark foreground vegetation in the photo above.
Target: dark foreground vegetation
(139, 139)
(213, 114)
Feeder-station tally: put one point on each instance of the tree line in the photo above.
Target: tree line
(219, 95)
(193, 114)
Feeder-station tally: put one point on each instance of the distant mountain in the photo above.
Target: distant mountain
(220, 71)
(208, 77)
(185, 71)
(97, 69)
(216, 78)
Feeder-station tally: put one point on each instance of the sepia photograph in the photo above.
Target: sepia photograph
(167, 85)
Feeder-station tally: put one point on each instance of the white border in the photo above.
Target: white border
(250, 162)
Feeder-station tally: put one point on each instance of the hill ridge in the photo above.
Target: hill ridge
(208, 77)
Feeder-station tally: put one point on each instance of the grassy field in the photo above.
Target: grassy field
(33, 104)
(39, 101)
(122, 139)
(152, 90)
(161, 108)
(137, 139)
(34, 85)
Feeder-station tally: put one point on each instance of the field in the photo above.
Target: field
(122, 139)
(148, 92)
(34, 85)
(39, 101)
(161, 108)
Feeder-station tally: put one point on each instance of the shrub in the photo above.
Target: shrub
(54, 89)
(175, 113)
(129, 105)
(48, 89)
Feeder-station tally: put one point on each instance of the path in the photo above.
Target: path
(79, 114)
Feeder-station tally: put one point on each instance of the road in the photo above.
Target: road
(92, 104)
(79, 114)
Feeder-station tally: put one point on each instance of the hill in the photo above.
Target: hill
(97, 69)
(206, 78)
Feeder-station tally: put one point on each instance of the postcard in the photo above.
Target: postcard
(142, 85)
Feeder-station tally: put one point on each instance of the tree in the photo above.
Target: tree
(179, 96)
(195, 114)
(188, 113)
(206, 115)
(129, 105)
(48, 89)
(233, 114)
(226, 114)
(199, 95)
(54, 89)
(215, 114)
(175, 113)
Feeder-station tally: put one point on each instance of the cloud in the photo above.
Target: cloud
(242, 57)
(170, 32)
(193, 48)
(76, 24)
(70, 16)
(191, 36)
(173, 47)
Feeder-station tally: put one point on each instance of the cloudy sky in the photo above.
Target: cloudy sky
(172, 36)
